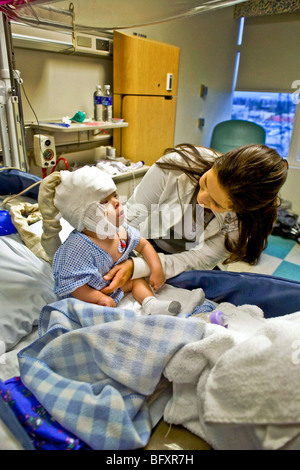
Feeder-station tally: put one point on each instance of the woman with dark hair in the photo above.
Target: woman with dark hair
(201, 209)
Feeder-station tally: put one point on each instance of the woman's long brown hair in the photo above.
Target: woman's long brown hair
(252, 177)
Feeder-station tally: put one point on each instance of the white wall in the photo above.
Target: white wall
(59, 85)
(291, 189)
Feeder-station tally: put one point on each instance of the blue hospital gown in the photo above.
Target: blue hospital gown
(80, 261)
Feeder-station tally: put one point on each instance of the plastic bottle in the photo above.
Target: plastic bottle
(107, 104)
(134, 166)
(98, 108)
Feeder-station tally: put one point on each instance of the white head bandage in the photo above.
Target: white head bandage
(101, 219)
(78, 190)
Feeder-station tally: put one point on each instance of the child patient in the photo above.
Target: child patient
(87, 199)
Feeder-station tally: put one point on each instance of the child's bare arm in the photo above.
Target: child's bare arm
(157, 277)
(93, 296)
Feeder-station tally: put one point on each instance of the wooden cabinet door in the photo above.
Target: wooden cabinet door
(141, 65)
(151, 127)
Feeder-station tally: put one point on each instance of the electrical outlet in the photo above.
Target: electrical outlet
(201, 122)
(44, 150)
(203, 91)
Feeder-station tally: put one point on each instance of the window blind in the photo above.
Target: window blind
(270, 54)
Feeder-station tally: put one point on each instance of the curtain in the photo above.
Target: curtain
(269, 54)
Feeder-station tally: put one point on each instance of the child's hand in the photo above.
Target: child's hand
(157, 280)
(106, 301)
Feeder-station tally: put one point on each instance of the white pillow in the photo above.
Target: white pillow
(26, 285)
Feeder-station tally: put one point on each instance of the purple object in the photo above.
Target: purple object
(218, 318)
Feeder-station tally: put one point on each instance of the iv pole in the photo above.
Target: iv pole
(12, 132)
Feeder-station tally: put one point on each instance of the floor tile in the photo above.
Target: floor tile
(294, 255)
(281, 258)
(266, 265)
(288, 271)
(279, 247)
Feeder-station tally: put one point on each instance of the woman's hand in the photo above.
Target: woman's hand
(118, 275)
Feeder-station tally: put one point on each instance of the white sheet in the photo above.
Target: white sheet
(9, 364)
(26, 285)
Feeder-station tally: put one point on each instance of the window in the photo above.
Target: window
(275, 112)
(265, 60)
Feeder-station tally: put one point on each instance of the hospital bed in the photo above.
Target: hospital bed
(73, 377)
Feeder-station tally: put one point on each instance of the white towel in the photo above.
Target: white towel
(256, 381)
(237, 387)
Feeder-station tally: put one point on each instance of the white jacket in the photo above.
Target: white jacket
(173, 190)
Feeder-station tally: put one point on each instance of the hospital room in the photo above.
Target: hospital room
(164, 138)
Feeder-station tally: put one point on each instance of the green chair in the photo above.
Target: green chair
(232, 134)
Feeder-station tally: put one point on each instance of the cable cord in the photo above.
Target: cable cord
(44, 170)
(30, 105)
(19, 194)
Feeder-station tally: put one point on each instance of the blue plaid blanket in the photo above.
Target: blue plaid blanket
(93, 367)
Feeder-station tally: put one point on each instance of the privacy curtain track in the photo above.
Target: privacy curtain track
(93, 16)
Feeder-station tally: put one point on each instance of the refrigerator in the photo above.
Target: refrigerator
(145, 74)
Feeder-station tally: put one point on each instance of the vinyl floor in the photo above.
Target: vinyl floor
(281, 258)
